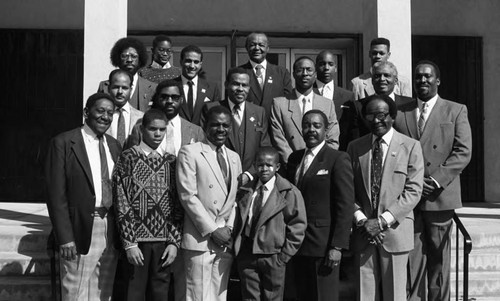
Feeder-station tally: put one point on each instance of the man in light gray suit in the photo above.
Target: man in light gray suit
(287, 112)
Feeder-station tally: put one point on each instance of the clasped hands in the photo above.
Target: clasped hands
(371, 230)
(222, 237)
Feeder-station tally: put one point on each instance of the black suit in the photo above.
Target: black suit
(340, 97)
(277, 82)
(328, 191)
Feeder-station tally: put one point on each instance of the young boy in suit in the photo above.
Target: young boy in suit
(148, 211)
(270, 227)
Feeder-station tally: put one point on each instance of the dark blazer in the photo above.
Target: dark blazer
(446, 145)
(340, 97)
(71, 196)
(277, 83)
(328, 191)
(143, 94)
(353, 125)
(256, 133)
(206, 92)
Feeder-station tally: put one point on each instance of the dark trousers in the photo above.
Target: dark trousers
(311, 280)
(262, 277)
(431, 256)
(151, 281)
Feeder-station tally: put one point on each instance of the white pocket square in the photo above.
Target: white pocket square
(206, 99)
(322, 172)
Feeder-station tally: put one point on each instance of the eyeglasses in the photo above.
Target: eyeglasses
(174, 97)
(308, 71)
(379, 116)
(125, 56)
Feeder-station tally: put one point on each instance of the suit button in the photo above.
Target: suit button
(215, 202)
(92, 214)
(434, 147)
(428, 164)
(210, 186)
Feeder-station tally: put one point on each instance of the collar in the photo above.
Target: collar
(194, 80)
(386, 138)
(125, 108)
(146, 149)
(392, 96)
(231, 105)
(214, 148)
(321, 84)
(315, 150)
(176, 122)
(430, 103)
(88, 133)
(308, 96)
(263, 64)
(269, 184)
(155, 65)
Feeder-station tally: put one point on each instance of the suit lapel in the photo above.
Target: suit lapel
(364, 161)
(316, 164)
(254, 83)
(273, 204)
(268, 80)
(185, 132)
(206, 152)
(411, 119)
(293, 108)
(200, 98)
(244, 202)
(78, 148)
(434, 120)
(249, 119)
(369, 90)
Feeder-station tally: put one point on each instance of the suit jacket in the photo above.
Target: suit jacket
(256, 133)
(208, 202)
(277, 82)
(282, 222)
(206, 92)
(327, 188)
(286, 123)
(135, 120)
(143, 93)
(447, 147)
(362, 86)
(340, 96)
(190, 133)
(353, 124)
(70, 188)
(400, 188)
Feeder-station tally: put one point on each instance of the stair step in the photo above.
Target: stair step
(28, 264)
(21, 239)
(25, 289)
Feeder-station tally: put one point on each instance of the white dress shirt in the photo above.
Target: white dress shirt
(267, 191)
(241, 110)
(126, 117)
(264, 68)
(326, 90)
(176, 124)
(146, 149)
(308, 98)
(430, 105)
(134, 84)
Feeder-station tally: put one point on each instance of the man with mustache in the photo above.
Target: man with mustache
(445, 135)
(324, 176)
(78, 175)
(287, 112)
(160, 68)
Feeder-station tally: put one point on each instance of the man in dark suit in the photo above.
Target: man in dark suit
(196, 89)
(287, 112)
(267, 81)
(77, 171)
(130, 54)
(324, 176)
(326, 67)
(249, 121)
(445, 135)
(384, 81)
(388, 174)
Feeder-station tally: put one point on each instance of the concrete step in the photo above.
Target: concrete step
(28, 264)
(23, 239)
(25, 289)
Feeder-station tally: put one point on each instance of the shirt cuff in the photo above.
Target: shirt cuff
(249, 175)
(435, 182)
(389, 218)
(131, 246)
(359, 216)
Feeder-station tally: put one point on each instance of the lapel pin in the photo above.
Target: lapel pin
(393, 154)
(270, 80)
(203, 90)
(252, 119)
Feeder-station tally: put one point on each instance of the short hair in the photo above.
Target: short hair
(381, 41)
(120, 71)
(158, 39)
(191, 48)
(301, 58)
(388, 64)
(247, 40)
(319, 112)
(91, 101)
(151, 115)
(393, 109)
(125, 43)
(322, 53)
(432, 64)
(165, 84)
(235, 70)
(216, 110)
(267, 150)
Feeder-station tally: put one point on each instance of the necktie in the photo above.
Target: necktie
(170, 148)
(190, 98)
(256, 210)
(304, 102)
(106, 197)
(236, 114)
(376, 174)
(222, 164)
(304, 167)
(120, 134)
(421, 119)
(260, 75)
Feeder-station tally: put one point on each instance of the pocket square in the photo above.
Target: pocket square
(206, 99)
(322, 172)
(344, 107)
(203, 91)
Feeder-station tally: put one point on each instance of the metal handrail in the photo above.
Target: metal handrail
(467, 249)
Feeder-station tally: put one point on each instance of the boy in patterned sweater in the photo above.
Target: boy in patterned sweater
(148, 211)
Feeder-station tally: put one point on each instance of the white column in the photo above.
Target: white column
(390, 19)
(105, 23)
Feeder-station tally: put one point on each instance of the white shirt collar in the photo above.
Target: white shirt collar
(392, 96)
(386, 138)
(194, 80)
(89, 134)
(269, 184)
(320, 84)
(263, 64)
(231, 106)
(176, 121)
(158, 66)
(125, 108)
(147, 149)
(430, 103)
(308, 96)
(315, 150)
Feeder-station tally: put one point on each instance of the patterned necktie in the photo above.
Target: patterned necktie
(256, 210)
(376, 174)
(190, 99)
(222, 164)
(236, 114)
(106, 197)
(421, 119)
(260, 75)
(170, 147)
(120, 134)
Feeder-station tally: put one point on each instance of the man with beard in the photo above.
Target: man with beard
(267, 80)
(78, 175)
(125, 116)
(445, 135)
(160, 68)
(129, 54)
(287, 112)
(207, 184)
